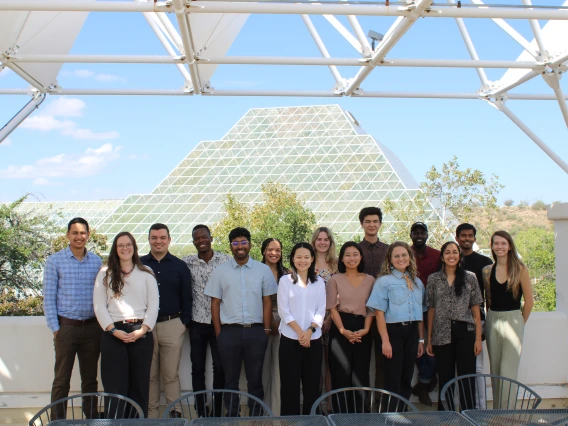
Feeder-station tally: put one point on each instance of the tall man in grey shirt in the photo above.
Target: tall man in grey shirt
(241, 311)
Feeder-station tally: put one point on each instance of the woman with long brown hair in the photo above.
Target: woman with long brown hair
(506, 281)
(397, 299)
(126, 302)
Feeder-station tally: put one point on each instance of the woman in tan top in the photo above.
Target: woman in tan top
(349, 338)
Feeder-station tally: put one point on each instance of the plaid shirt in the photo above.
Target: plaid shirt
(68, 286)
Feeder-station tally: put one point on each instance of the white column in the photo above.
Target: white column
(558, 213)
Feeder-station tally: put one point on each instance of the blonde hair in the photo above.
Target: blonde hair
(331, 254)
(387, 266)
(514, 264)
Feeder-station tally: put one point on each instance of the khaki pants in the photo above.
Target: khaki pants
(168, 341)
(504, 332)
(271, 372)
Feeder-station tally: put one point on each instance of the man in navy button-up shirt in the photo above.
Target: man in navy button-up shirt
(68, 282)
(241, 311)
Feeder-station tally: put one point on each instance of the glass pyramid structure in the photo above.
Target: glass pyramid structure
(319, 152)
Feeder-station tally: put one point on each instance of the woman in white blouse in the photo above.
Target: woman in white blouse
(126, 302)
(301, 306)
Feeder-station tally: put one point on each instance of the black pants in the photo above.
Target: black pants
(399, 369)
(239, 344)
(349, 363)
(299, 364)
(201, 335)
(125, 367)
(456, 355)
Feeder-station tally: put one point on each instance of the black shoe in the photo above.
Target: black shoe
(433, 383)
(175, 414)
(421, 391)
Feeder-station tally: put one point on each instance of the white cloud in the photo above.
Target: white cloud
(65, 107)
(92, 74)
(138, 156)
(91, 162)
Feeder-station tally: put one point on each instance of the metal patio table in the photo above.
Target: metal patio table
(518, 417)
(262, 421)
(424, 418)
(119, 422)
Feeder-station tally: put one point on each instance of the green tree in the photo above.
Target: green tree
(97, 242)
(25, 242)
(282, 215)
(536, 247)
(457, 195)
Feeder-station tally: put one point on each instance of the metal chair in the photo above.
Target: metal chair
(96, 405)
(361, 400)
(217, 403)
(507, 393)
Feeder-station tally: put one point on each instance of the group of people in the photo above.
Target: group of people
(415, 304)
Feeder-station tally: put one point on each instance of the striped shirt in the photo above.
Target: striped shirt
(68, 285)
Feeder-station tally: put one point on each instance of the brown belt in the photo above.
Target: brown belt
(168, 317)
(75, 322)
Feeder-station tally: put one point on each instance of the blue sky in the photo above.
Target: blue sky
(109, 147)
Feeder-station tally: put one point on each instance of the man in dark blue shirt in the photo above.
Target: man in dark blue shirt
(174, 285)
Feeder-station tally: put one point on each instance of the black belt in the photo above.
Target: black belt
(130, 321)
(168, 317)
(256, 324)
(404, 323)
(75, 322)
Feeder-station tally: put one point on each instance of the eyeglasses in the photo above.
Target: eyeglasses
(124, 246)
(239, 243)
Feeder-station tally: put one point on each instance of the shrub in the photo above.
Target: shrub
(12, 305)
(508, 203)
(539, 205)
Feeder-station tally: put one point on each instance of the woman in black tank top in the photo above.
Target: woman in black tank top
(506, 282)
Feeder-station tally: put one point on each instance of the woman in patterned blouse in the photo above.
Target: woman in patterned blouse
(326, 265)
(454, 322)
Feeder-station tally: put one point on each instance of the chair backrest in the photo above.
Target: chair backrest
(463, 393)
(217, 403)
(96, 405)
(361, 400)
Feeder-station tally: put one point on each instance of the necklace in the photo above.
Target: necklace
(129, 272)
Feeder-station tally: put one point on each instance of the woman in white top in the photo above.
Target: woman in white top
(126, 302)
(301, 306)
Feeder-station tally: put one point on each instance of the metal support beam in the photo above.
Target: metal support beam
(499, 90)
(471, 49)
(500, 105)
(298, 8)
(537, 34)
(514, 34)
(323, 50)
(187, 40)
(345, 33)
(394, 34)
(360, 34)
(170, 29)
(553, 80)
(25, 76)
(24, 113)
(167, 46)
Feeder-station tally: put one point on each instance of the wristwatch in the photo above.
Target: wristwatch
(112, 330)
(313, 329)
(420, 340)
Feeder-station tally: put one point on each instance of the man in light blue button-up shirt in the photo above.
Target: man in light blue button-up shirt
(68, 283)
(241, 312)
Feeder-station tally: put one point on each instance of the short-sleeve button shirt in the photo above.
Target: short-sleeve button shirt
(449, 307)
(399, 303)
(241, 289)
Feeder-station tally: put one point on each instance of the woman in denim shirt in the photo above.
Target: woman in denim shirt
(397, 299)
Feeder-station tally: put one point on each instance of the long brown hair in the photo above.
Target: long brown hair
(514, 264)
(331, 255)
(387, 266)
(114, 277)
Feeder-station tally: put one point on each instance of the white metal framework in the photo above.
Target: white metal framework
(36, 37)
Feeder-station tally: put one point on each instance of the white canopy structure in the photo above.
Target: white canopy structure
(36, 37)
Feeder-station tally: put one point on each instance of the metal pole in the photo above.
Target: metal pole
(553, 80)
(360, 34)
(471, 49)
(395, 33)
(537, 34)
(170, 29)
(165, 43)
(187, 40)
(344, 32)
(321, 47)
(500, 105)
(24, 113)
(506, 88)
(24, 75)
